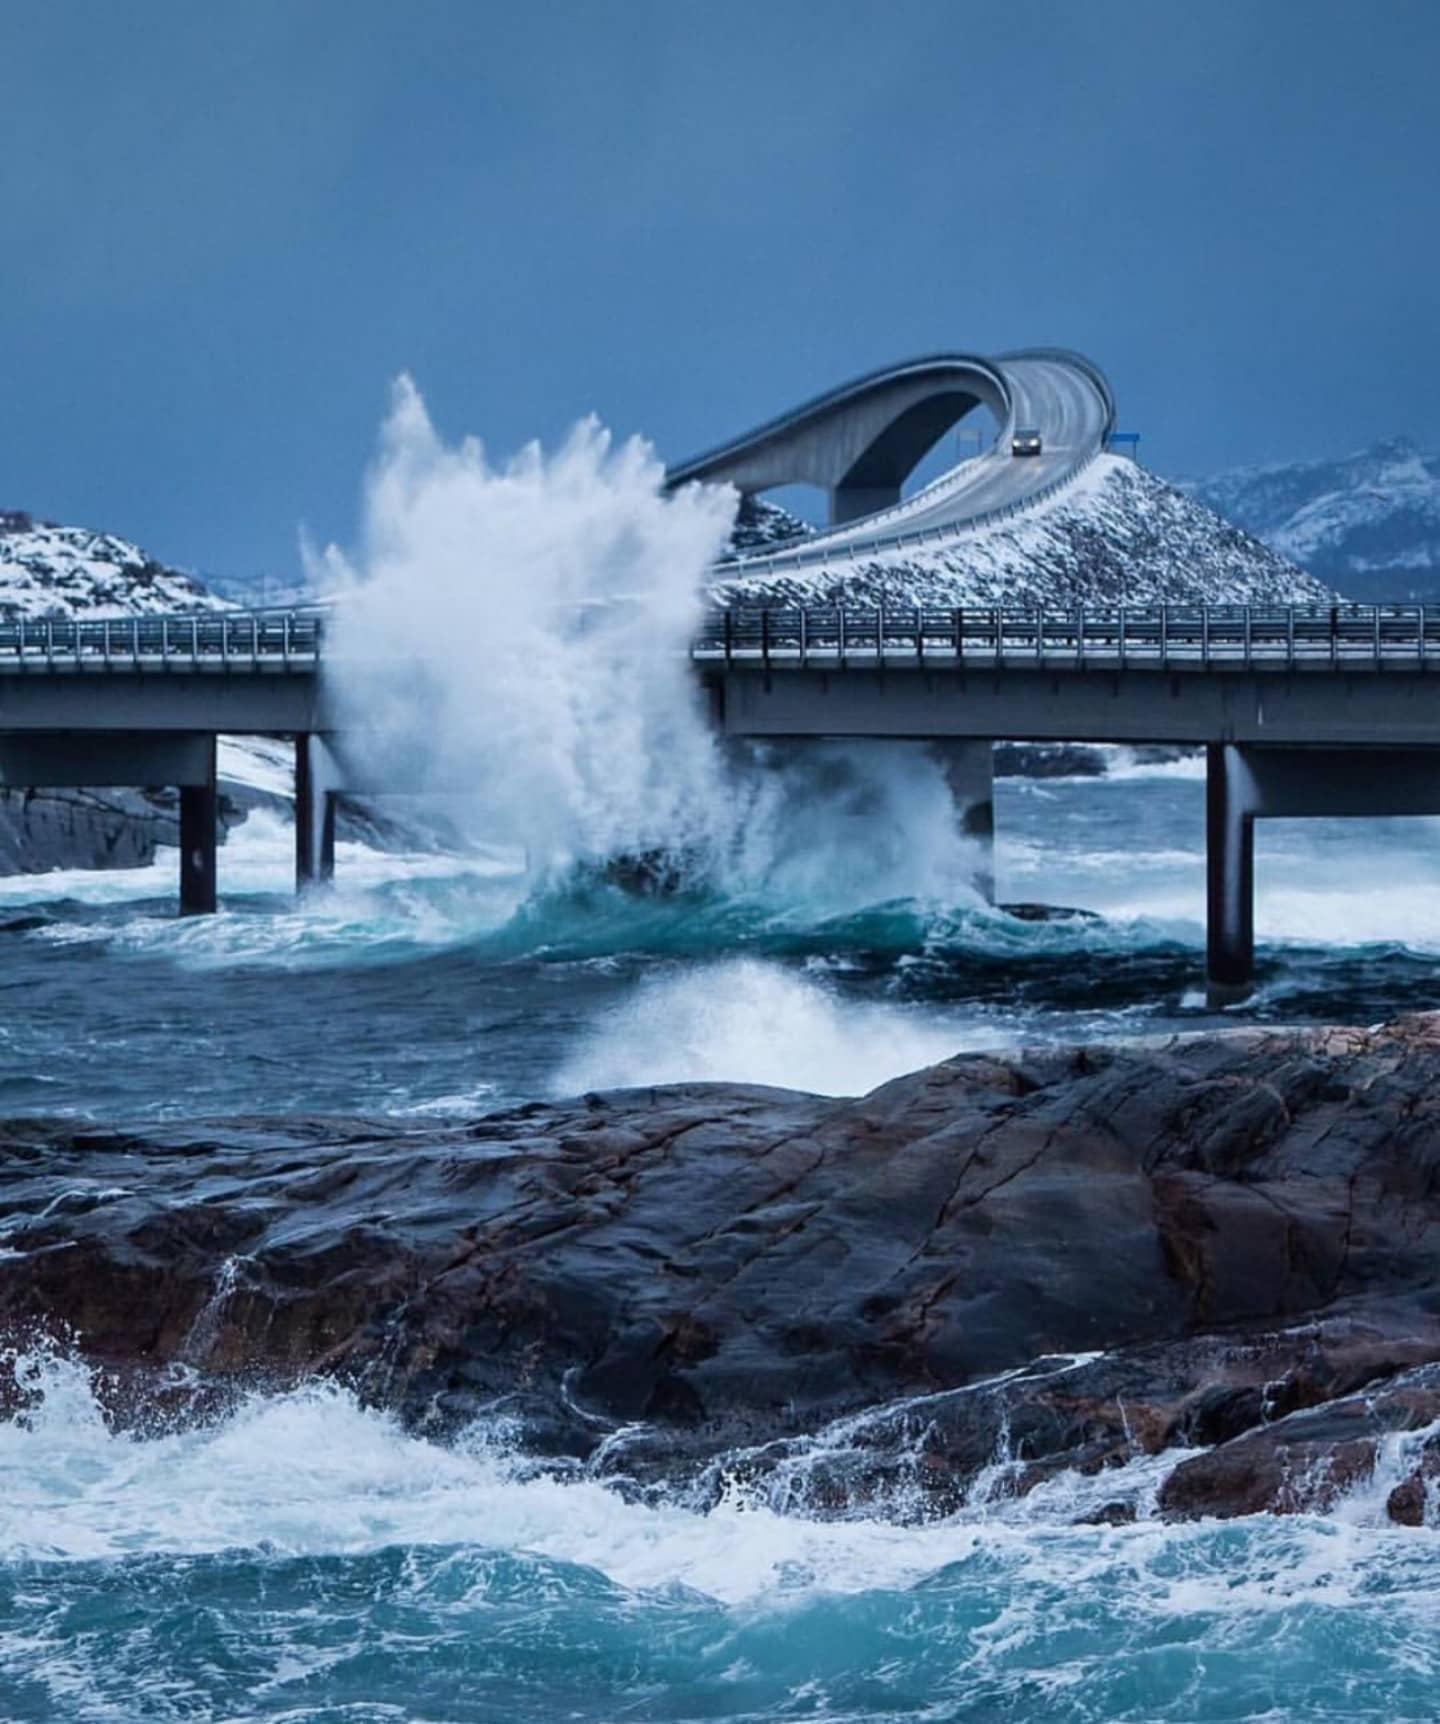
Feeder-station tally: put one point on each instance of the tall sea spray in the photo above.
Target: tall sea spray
(515, 636)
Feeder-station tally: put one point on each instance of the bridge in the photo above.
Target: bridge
(1301, 710)
(860, 442)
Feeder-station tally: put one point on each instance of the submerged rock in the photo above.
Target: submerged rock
(992, 1270)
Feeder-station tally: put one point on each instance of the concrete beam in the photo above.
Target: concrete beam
(237, 703)
(56, 759)
(1393, 708)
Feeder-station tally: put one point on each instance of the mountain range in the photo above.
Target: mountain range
(1367, 523)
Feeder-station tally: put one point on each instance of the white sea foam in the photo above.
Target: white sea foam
(519, 633)
(743, 1020)
(312, 1473)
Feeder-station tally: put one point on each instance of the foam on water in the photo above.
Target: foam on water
(758, 1023)
(304, 1558)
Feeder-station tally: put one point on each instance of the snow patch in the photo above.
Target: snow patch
(1115, 535)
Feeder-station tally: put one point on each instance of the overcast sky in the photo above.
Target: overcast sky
(225, 226)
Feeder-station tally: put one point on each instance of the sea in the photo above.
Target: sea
(303, 1558)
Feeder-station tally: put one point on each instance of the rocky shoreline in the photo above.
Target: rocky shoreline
(1224, 1245)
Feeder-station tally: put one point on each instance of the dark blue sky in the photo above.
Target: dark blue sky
(224, 227)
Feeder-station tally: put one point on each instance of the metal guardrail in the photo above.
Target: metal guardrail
(816, 551)
(247, 641)
(1165, 637)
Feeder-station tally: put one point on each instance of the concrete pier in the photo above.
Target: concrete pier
(970, 773)
(199, 837)
(1229, 875)
(315, 797)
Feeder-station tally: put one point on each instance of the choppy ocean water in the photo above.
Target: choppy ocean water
(305, 1559)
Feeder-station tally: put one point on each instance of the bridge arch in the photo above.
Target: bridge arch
(859, 442)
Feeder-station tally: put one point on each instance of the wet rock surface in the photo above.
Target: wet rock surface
(994, 1269)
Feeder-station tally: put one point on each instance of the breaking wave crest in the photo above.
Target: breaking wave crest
(304, 1558)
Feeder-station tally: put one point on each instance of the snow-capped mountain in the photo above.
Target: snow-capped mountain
(52, 571)
(1368, 523)
(1116, 535)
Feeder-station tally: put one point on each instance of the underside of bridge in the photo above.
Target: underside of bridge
(184, 760)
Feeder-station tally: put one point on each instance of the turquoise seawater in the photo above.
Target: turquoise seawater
(303, 1559)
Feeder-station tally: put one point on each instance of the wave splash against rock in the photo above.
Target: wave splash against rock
(976, 1279)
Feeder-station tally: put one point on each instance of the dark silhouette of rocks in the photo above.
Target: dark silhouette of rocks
(1225, 1243)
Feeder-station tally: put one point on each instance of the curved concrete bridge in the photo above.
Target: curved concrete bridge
(860, 443)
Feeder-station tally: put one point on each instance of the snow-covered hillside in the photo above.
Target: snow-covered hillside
(761, 527)
(1116, 535)
(1368, 523)
(52, 571)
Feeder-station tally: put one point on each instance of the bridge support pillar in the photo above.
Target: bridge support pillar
(1230, 802)
(314, 812)
(850, 502)
(970, 773)
(199, 836)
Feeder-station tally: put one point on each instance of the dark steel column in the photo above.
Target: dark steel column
(1229, 876)
(314, 815)
(199, 820)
